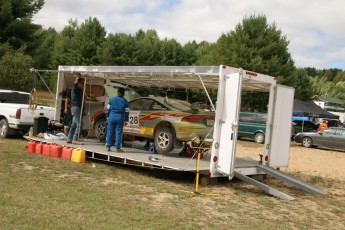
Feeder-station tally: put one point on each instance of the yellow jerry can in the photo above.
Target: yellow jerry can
(78, 155)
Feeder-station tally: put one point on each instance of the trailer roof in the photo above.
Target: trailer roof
(168, 76)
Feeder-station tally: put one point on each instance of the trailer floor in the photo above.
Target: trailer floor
(135, 154)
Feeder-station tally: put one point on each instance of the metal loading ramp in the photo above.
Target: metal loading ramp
(305, 186)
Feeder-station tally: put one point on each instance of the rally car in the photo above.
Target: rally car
(166, 121)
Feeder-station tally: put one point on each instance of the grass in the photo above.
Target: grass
(39, 192)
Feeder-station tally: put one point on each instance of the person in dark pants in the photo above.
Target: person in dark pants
(117, 114)
(76, 104)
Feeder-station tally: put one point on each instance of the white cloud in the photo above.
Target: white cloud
(314, 27)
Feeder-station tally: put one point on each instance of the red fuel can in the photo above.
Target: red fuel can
(46, 149)
(31, 146)
(56, 151)
(67, 153)
(39, 146)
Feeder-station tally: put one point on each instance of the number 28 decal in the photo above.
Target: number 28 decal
(133, 119)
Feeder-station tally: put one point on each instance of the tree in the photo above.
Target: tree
(147, 47)
(42, 55)
(16, 27)
(322, 86)
(88, 38)
(78, 45)
(190, 50)
(302, 84)
(207, 54)
(339, 91)
(117, 50)
(256, 45)
(14, 69)
(172, 53)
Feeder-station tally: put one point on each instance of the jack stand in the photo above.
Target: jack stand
(260, 161)
(196, 192)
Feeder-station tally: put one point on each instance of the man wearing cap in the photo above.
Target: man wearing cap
(76, 104)
(117, 114)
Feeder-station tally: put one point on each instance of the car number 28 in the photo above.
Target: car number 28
(133, 118)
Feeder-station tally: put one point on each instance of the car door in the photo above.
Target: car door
(138, 109)
(325, 138)
(339, 139)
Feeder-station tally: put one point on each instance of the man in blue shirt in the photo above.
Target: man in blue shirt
(76, 104)
(117, 114)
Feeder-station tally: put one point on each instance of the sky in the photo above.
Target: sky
(314, 28)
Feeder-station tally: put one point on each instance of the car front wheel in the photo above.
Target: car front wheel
(259, 138)
(307, 142)
(100, 129)
(164, 140)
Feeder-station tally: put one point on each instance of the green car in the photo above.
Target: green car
(252, 125)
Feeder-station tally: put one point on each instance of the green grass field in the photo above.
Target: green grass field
(40, 192)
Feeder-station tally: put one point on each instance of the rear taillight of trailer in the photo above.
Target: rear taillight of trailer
(251, 73)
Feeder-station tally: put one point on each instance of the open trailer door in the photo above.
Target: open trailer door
(281, 129)
(226, 123)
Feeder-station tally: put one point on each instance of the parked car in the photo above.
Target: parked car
(333, 122)
(15, 112)
(333, 137)
(166, 121)
(303, 126)
(252, 125)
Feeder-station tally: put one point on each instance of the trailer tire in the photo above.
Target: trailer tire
(259, 138)
(100, 129)
(164, 140)
(307, 142)
(4, 129)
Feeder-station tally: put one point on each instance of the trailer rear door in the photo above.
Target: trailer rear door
(226, 125)
(282, 123)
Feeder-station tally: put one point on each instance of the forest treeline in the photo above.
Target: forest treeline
(254, 44)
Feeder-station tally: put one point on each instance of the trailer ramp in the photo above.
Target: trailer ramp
(291, 180)
(264, 187)
(305, 186)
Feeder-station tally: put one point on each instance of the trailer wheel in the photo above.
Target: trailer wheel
(4, 129)
(164, 140)
(307, 142)
(259, 138)
(100, 129)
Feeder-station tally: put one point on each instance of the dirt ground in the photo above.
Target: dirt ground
(326, 163)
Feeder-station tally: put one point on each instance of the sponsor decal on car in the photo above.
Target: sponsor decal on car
(172, 118)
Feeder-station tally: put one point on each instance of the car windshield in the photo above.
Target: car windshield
(178, 104)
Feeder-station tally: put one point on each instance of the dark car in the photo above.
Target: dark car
(303, 126)
(331, 138)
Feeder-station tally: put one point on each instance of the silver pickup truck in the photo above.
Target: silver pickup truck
(16, 114)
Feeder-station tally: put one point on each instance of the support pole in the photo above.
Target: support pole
(196, 192)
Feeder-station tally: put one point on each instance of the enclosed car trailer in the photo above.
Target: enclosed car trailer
(229, 83)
